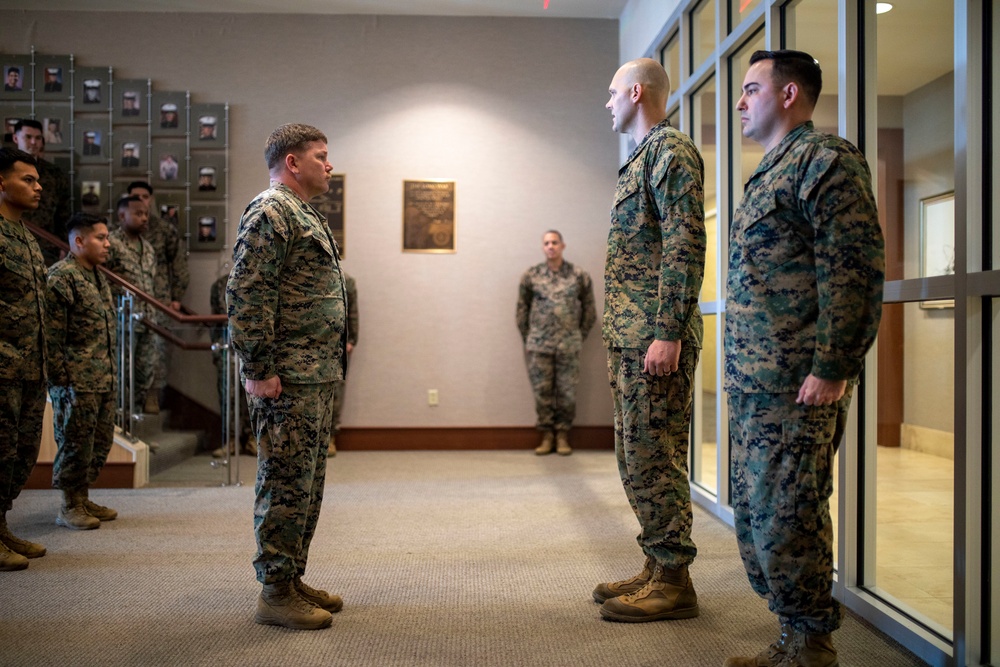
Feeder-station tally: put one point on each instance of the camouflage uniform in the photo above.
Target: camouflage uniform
(23, 356)
(81, 333)
(217, 296)
(53, 210)
(171, 283)
(136, 263)
(804, 296)
(287, 317)
(352, 338)
(555, 312)
(653, 275)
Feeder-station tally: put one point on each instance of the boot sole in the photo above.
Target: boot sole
(15, 567)
(285, 623)
(21, 552)
(66, 524)
(673, 615)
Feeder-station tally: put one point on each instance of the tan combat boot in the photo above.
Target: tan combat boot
(99, 512)
(332, 449)
(10, 560)
(73, 515)
(562, 443)
(17, 545)
(547, 444)
(774, 654)
(280, 604)
(152, 403)
(615, 588)
(813, 651)
(668, 595)
(320, 598)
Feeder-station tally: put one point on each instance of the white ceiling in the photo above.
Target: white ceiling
(587, 9)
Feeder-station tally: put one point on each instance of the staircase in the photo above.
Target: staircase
(172, 447)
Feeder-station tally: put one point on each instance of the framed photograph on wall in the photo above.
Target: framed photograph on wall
(168, 162)
(92, 193)
(168, 114)
(55, 126)
(91, 85)
(331, 205)
(208, 126)
(429, 216)
(170, 207)
(129, 155)
(937, 241)
(11, 114)
(131, 102)
(52, 80)
(208, 176)
(207, 226)
(91, 141)
(17, 72)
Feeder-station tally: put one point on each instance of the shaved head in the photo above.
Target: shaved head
(651, 76)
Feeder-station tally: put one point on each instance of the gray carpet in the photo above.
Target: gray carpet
(443, 559)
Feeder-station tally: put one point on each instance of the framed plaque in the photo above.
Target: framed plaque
(129, 154)
(331, 205)
(168, 115)
(208, 126)
(208, 176)
(91, 89)
(429, 216)
(131, 102)
(52, 80)
(92, 141)
(207, 226)
(17, 82)
(55, 126)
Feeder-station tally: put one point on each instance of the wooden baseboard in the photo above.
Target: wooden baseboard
(465, 438)
(113, 476)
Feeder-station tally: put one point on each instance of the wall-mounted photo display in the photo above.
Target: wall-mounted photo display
(207, 226)
(55, 126)
(208, 126)
(208, 176)
(92, 194)
(91, 141)
(331, 205)
(16, 77)
(170, 207)
(169, 164)
(52, 79)
(168, 114)
(11, 113)
(91, 89)
(131, 101)
(129, 155)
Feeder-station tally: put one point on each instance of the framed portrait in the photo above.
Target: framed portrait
(129, 155)
(52, 80)
(429, 216)
(91, 89)
(17, 72)
(12, 113)
(168, 162)
(331, 205)
(92, 194)
(131, 102)
(208, 126)
(90, 141)
(208, 176)
(170, 205)
(55, 122)
(207, 226)
(168, 114)
(937, 241)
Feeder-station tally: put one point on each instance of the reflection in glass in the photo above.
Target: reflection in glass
(740, 9)
(746, 154)
(704, 471)
(670, 58)
(702, 32)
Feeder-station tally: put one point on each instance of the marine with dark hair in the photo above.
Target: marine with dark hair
(54, 209)
(80, 328)
(803, 304)
(23, 350)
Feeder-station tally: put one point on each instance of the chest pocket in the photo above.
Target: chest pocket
(770, 239)
(17, 280)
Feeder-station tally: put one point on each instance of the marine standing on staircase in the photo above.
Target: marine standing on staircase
(80, 329)
(22, 346)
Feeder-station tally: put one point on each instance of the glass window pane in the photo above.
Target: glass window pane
(740, 9)
(670, 58)
(702, 33)
(703, 134)
(704, 471)
(807, 28)
(746, 153)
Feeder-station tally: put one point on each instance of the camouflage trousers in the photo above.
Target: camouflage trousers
(338, 403)
(554, 376)
(652, 431)
(782, 480)
(22, 407)
(293, 432)
(237, 385)
(144, 362)
(85, 430)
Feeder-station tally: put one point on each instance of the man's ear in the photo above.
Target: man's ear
(291, 163)
(790, 92)
(635, 93)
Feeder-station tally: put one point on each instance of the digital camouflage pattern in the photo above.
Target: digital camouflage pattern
(217, 299)
(53, 210)
(656, 246)
(784, 452)
(555, 312)
(81, 332)
(804, 296)
(23, 355)
(655, 265)
(135, 261)
(171, 281)
(806, 267)
(340, 386)
(287, 317)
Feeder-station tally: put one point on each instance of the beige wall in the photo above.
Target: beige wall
(512, 109)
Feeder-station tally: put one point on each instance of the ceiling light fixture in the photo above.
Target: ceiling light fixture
(545, 5)
(882, 7)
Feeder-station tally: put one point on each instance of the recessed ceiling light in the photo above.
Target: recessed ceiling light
(882, 7)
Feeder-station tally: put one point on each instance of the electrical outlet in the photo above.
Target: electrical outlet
(432, 397)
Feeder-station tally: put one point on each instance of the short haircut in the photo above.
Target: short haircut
(290, 138)
(797, 66)
(553, 231)
(81, 223)
(124, 201)
(9, 156)
(139, 184)
(27, 122)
